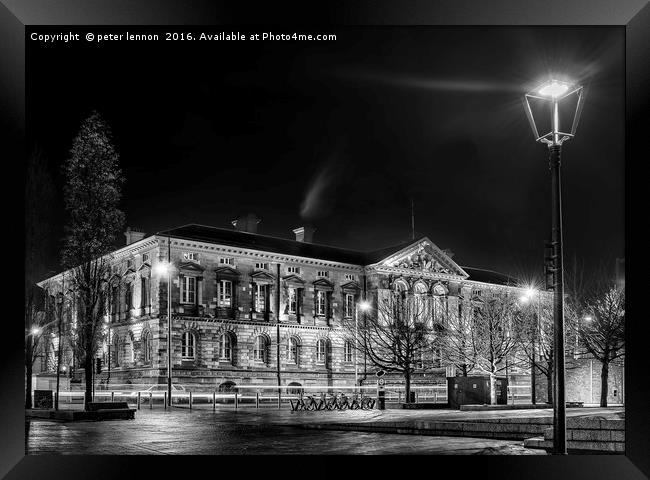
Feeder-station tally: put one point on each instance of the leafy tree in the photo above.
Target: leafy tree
(92, 194)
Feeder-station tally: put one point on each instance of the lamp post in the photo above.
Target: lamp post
(364, 306)
(162, 269)
(552, 93)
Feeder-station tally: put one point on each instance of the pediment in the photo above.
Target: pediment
(294, 279)
(226, 271)
(423, 256)
(262, 276)
(351, 287)
(145, 266)
(323, 284)
(192, 266)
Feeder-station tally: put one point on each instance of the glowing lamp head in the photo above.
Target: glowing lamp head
(524, 299)
(553, 89)
(364, 306)
(531, 292)
(36, 331)
(588, 318)
(162, 268)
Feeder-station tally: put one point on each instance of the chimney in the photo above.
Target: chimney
(247, 223)
(133, 235)
(304, 234)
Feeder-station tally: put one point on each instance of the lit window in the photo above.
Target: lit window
(260, 297)
(259, 350)
(261, 266)
(349, 304)
(225, 347)
(347, 351)
(321, 302)
(292, 300)
(189, 290)
(292, 351)
(351, 276)
(295, 270)
(323, 273)
(187, 344)
(192, 256)
(225, 293)
(227, 261)
(320, 351)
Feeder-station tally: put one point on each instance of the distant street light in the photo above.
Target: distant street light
(35, 331)
(363, 306)
(551, 94)
(165, 268)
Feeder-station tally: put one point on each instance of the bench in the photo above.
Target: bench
(106, 410)
(574, 404)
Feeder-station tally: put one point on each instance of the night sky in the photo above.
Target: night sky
(343, 134)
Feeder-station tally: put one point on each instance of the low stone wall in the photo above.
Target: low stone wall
(587, 434)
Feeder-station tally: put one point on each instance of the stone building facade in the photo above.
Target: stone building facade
(226, 287)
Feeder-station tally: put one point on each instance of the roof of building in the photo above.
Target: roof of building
(489, 276)
(286, 246)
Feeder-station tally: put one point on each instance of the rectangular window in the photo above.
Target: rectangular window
(323, 273)
(260, 297)
(144, 292)
(320, 351)
(189, 290)
(293, 303)
(145, 257)
(227, 261)
(225, 293)
(351, 276)
(295, 270)
(349, 305)
(191, 256)
(261, 266)
(129, 263)
(321, 302)
(347, 352)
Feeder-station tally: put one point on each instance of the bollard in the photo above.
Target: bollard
(138, 400)
(190, 400)
(112, 396)
(150, 400)
(257, 400)
(399, 397)
(236, 401)
(214, 401)
(279, 400)
(165, 400)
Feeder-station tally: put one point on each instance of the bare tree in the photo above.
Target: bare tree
(455, 340)
(398, 337)
(494, 333)
(92, 194)
(38, 193)
(600, 329)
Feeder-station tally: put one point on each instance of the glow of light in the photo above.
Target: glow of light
(588, 318)
(36, 331)
(524, 299)
(531, 292)
(162, 268)
(553, 89)
(364, 306)
(64, 368)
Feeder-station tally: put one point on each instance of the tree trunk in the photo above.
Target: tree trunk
(28, 372)
(464, 369)
(549, 382)
(88, 369)
(604, 376)
(493, 389)
(407, 389)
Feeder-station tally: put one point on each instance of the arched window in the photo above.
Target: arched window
(188, 343)
(260, 349)
(348, 351)
(147, 347)
(228, 387)
(293, 349)
(401, 286)
(296, 390)
(321, 351)
(225, 347)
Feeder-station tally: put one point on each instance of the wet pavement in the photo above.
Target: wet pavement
(248, 431)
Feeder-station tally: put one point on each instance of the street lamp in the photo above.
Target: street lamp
(161, 269)
(363, 306)
(553, 93)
